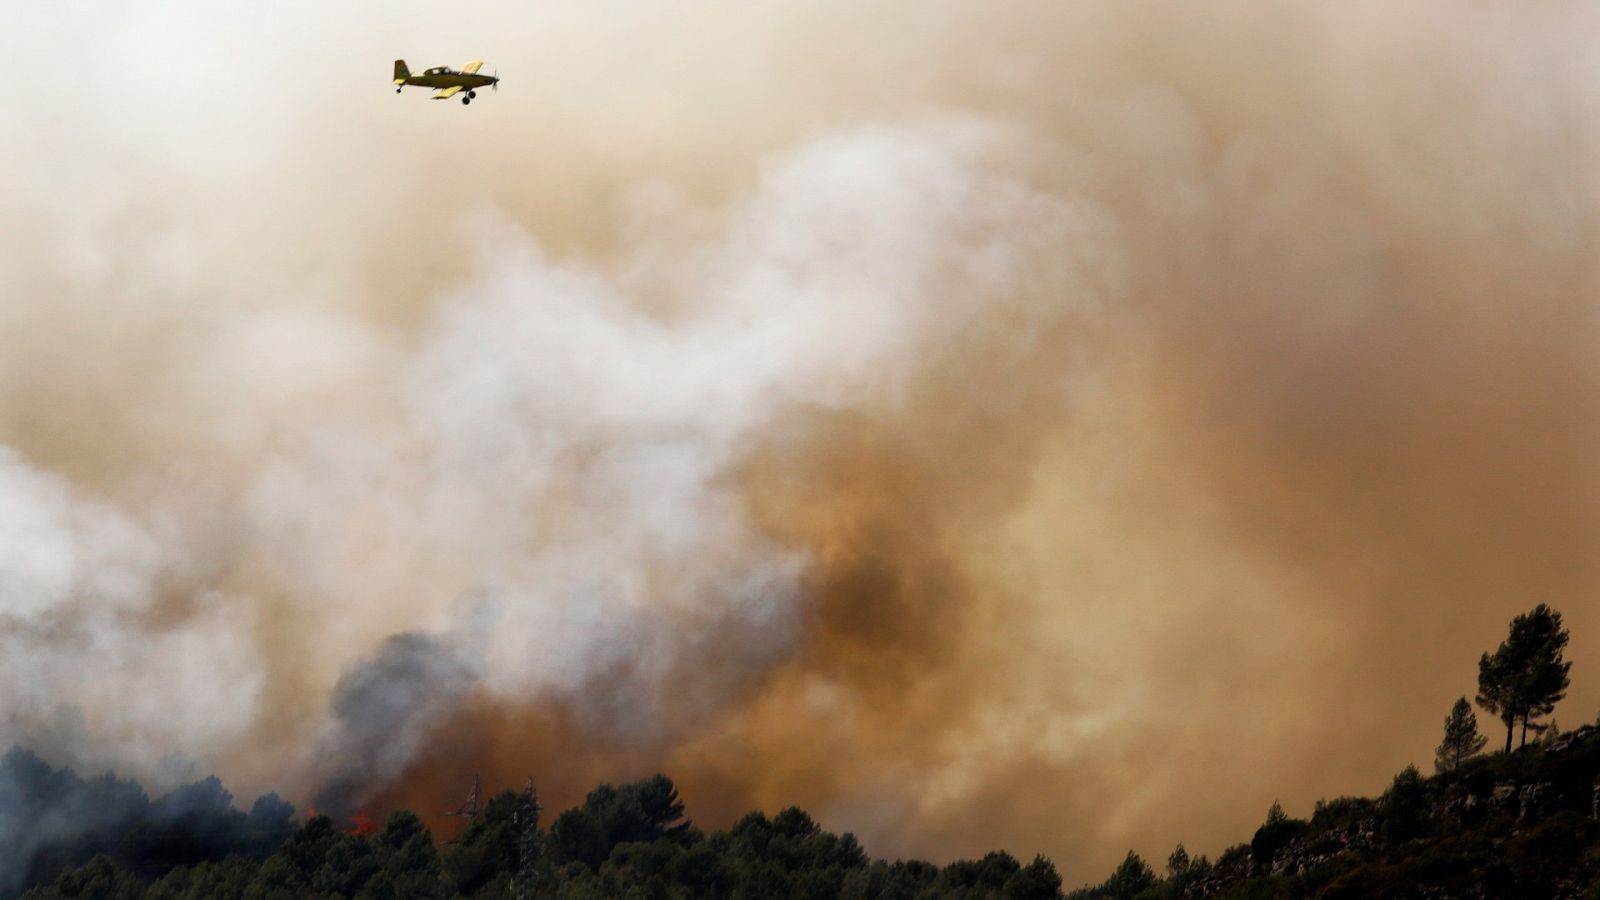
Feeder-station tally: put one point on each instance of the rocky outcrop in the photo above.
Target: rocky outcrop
(1297, 857)
(1305, 854)
(1535, 801)
(1503, 796)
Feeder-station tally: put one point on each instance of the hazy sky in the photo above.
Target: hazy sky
(1054, 427)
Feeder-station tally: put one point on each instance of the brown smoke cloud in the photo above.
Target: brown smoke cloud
(1058, 428)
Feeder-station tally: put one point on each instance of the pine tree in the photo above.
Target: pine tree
(1179, 863)
(1184, 870)
(1129, 880)
(1547, 675)
(1525, 677)
(1461, 738)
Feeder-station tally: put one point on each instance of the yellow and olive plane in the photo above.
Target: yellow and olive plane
(448, 81)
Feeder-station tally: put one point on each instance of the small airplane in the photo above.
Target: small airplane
(448, 81)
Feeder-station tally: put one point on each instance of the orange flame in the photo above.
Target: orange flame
(361, 824)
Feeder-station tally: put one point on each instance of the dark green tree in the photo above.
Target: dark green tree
(642, 811)
(1179, 863)
(1037, 880)
(663, 809)
(100, 879)
(1184, 870)
(226, 880)
(1275, 834)
(1525, 677)
(406, 853)
(985, 876)
(1404, 808)
(489, 846)
(578, 837)
(1132, 878)
(1461, 738)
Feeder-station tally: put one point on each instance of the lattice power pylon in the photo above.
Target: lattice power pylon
(469, 810)
(527, 820)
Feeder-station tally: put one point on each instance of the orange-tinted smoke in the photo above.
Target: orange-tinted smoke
(1212, 503)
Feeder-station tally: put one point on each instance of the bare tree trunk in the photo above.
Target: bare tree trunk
(1524, 741)
(1511, 722)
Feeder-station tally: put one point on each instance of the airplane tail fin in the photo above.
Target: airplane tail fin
(401, 73)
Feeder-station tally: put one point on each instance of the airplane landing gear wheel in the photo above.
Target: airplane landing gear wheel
(472, 95)
(466, 100)
(397, 90)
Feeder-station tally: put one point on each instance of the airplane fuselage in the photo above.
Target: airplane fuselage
(448, 79)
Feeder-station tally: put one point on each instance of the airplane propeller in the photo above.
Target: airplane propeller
(495, 84)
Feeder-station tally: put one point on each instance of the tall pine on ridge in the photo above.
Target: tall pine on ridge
(1461, 738)
(1525, 677)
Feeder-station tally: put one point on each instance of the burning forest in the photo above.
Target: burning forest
(1045, 430)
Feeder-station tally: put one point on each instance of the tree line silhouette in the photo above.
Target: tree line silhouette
(1515, 824)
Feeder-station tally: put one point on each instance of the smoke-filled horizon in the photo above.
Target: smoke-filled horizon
(1063, 428)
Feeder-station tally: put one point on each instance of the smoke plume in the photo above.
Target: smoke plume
(1066, 428)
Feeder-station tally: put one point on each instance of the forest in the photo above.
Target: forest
(1521, 822)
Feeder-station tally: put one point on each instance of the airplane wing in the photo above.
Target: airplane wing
(447, 93)
(472, 68)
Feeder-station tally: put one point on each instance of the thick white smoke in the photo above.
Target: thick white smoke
(542, 476)
(96, 672)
